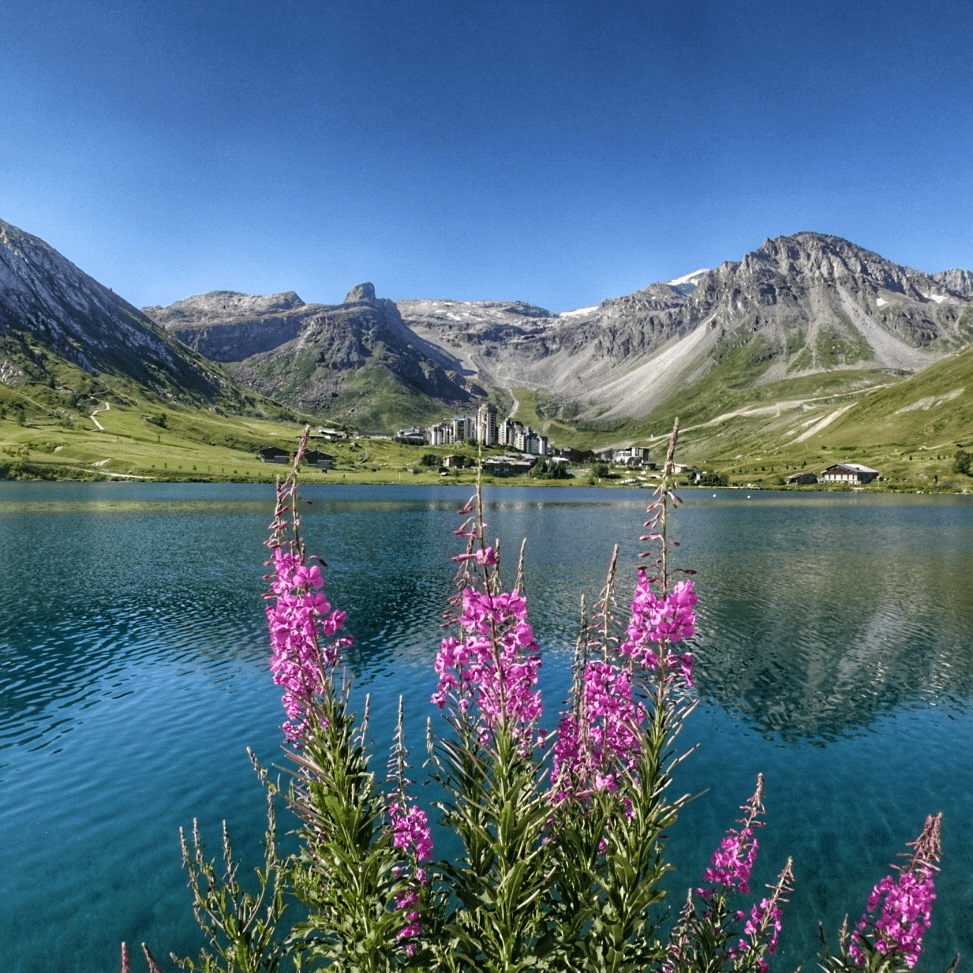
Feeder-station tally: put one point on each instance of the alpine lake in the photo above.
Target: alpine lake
(834, 655)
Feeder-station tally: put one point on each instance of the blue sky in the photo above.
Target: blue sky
(553, 152)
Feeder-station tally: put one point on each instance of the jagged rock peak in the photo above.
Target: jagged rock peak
(818, 251)
(360, 292)
(959, 281)
(821, 256)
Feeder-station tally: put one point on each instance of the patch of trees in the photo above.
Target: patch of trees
(549, 470)
(963, 462)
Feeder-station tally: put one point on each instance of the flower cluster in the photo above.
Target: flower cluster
(411, 834)
(764, 923)
(410, 831)
(907, 906)
(301, 621)
(492, 664)
(602, 739)
(661, 620)
(554, 872)
(733, 861)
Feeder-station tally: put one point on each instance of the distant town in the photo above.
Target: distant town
(528, 450)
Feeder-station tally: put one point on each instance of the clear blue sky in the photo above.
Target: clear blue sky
(552, 151)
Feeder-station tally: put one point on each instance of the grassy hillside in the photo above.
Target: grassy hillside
(909, 430)
(125, 441)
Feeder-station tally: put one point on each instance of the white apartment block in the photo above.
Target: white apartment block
(486, 429)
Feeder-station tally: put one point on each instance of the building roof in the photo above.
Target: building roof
(853, 467)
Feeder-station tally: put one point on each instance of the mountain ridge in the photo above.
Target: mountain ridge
(799, 305)
(802, 315)
(50, 307)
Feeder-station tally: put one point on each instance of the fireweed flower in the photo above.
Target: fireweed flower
(660, 621)
(906, 901)
(602, 737)
(301, 623)
(764, 923)
(492, 665)
(602, 740)
(733, 861)
(300, 618)
(411, 834)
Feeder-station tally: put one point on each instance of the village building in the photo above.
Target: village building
(848, 473)
(633, 456)
(319, 458)
(506, 465)
(273, 454)
(411, 437)
(486, 425)
(329, 435)
(628, 456)
(802, 479)
(577, 457)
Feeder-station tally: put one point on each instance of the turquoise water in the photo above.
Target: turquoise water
(835, 656)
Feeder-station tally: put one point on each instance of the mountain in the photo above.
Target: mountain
(51, 312)
(356, 359)
(799, 306)
(795, 325)
(800, 315)
(226, 326)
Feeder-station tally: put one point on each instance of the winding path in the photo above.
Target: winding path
(98, 425)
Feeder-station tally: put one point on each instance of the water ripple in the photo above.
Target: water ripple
(835, 653)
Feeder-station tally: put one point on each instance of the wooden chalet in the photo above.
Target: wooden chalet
(848, 473)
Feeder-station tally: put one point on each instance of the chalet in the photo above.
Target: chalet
(320, 459)
(329, 435)
(802, 479)
(848, 473)
(273, 454)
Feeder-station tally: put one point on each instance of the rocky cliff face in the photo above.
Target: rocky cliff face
(49, 306)
(798, 306)
(227, 326)
(312, 356)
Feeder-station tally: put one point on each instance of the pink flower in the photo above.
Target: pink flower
(659, 621)
(411, 834)
(492, 664)
(410, 831)
(733, 861)
(301, 621)
(906, 901)
(602, 739)
(764, 923)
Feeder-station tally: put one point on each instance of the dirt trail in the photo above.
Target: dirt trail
(98, 425)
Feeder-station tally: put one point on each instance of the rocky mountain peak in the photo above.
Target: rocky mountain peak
(958, 281)
(360, 292)
(821, 254)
